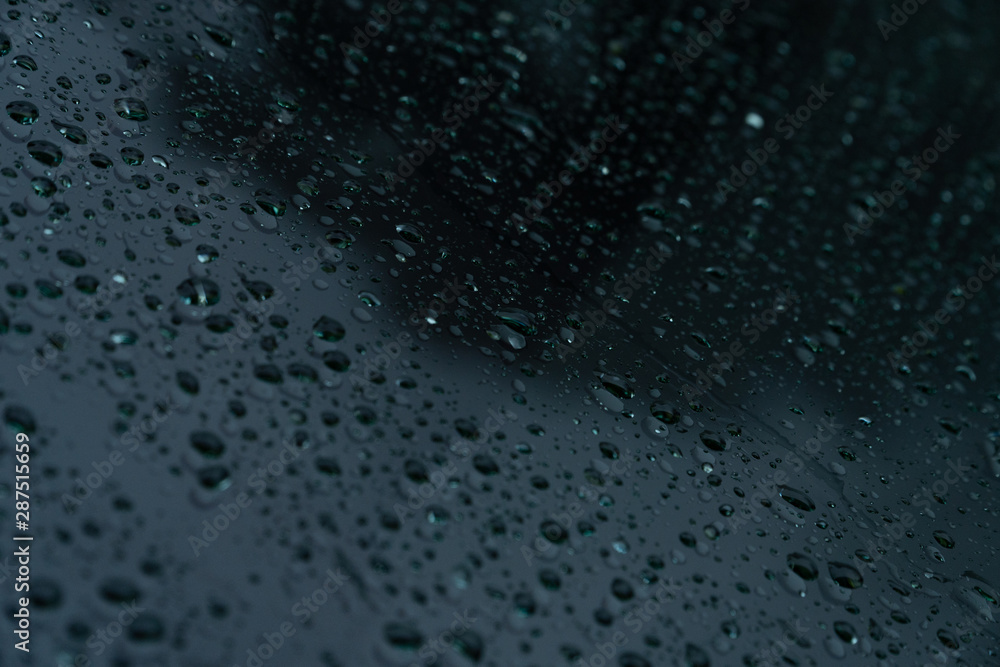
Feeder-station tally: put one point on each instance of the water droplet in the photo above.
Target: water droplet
(714, 441)
(22, 112)
(270, 203)
(72, 133)
(803, 566)
(132, 156)
(328, 329)
(207, 444)
(796, 498)
(25, 62)
(45, 152)
(617, 386)
(43, 187)
(220, 35)
(19, 419)
(71, 258)
(199, 292)
(131, 108)
(668, 414)
(845, 631)
(944, 539)
(694, 656)
(846, 576)
(339, 238)
(410, 233)
(186, 215)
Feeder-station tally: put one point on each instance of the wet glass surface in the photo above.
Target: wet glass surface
(640, 334)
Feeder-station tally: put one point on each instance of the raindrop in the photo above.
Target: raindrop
(328, 329)
(846, 576)
(694, 656)
(199, 292)
(130, 108)
(23, 112)
(803, 566)
(668, 414)
(220, 35)
(944, 539)
(518, 320)
(19, 419)
(206, 253)
(186, 215)
(796, 498)
(100, 161)
(72, 133)
(132, 156)
(410, 233)
(45, 152)
(207, 444)
(270, 203)
(714, 441)
(25, 62)
(845, 631)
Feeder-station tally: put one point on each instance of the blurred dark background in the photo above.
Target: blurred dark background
(265, 145)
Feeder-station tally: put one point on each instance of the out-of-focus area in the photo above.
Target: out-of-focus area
(579, 333)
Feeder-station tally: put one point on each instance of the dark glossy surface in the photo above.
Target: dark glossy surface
(277, 395)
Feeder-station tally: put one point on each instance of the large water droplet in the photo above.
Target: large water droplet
(328, 329)
(199, 292)
(796, 498)
(131, 108)
(45, 152)
(846, 576)
(22, 112)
